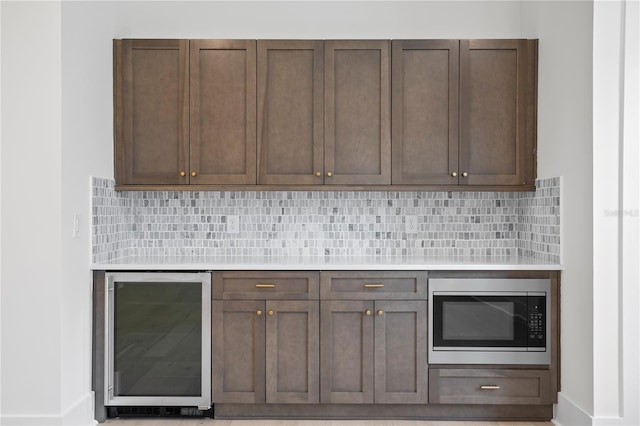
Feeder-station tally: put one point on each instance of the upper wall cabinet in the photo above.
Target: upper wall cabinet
(425, 111)
(151, 111)
(185, 112)
(464, 112)
(223, 112)
(334, 114)
(357, 112)
(324, 112)
(497, 112)
(290, 115)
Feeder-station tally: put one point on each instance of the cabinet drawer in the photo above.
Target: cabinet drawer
(488, 386)
(261, 285)
(392, 285)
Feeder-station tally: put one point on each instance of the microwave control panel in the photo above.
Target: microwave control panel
(537, 325)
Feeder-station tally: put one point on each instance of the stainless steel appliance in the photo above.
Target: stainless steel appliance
(489, 321)
(158, 339)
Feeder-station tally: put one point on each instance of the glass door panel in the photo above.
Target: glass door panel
(158, 338)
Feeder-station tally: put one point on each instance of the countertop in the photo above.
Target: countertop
(407, 263)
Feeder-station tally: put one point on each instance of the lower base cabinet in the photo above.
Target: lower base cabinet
(373, 352)
(355, 347)
(265, 352)
(489, 386)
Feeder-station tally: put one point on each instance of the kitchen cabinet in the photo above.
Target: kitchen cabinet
(318, 114)
(347, 344)
(324, 112)
(291, 118)
(184, 112)
(373, 350)
(464, 112)
(357, 146)
(489, 386)
(151, 111)
(265, 350)
(223, 112)
(425, 111)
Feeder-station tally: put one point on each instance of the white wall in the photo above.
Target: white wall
(565, 149)
(615, 213)
(31, 213)
(60, 289)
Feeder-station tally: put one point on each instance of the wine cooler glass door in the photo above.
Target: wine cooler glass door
(158, 339)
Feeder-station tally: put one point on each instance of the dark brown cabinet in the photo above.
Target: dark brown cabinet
(185, 112)
(151, 111)
(319, 114)
(425, 112)
(348, 344)
(324, 114)
(375, 350)
(238, 351)
(489, 386)
(290, 105)
(223, 112)
(464, 112)
(357, 146)
(265, 350)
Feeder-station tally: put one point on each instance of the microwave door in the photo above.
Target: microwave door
(471, 321)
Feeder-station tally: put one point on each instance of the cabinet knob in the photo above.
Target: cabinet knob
(367, 312)
(329, 174)
(318, 174)
(258, 312)
(465, 174)
(182, 174)
(454, 174)
(270, 312)
(380, 313)
(194, 174)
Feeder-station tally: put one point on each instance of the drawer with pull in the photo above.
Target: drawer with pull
(389, 285)
(489, 386)
(265, 285)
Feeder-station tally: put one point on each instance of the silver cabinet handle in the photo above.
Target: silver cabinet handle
(489, 387)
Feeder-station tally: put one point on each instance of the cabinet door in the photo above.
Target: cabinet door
(151, 111)
(496, 112)
(346, 332)
(401, 352)
(290, 118)
(292, 352)
(223, 112)
(238, 352)
(357, 112)
(425, 112)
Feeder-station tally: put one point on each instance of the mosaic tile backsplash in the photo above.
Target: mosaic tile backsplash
(309, 224)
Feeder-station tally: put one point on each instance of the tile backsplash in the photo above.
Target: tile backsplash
(330, 224)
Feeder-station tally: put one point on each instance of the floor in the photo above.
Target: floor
(210, 422)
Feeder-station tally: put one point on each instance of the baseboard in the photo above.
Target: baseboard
(81, 412)
(78, 414)
(567, 413)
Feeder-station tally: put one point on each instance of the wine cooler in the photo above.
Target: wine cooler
(158, 339)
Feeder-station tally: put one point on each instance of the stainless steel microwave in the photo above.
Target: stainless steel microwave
(489, 321)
